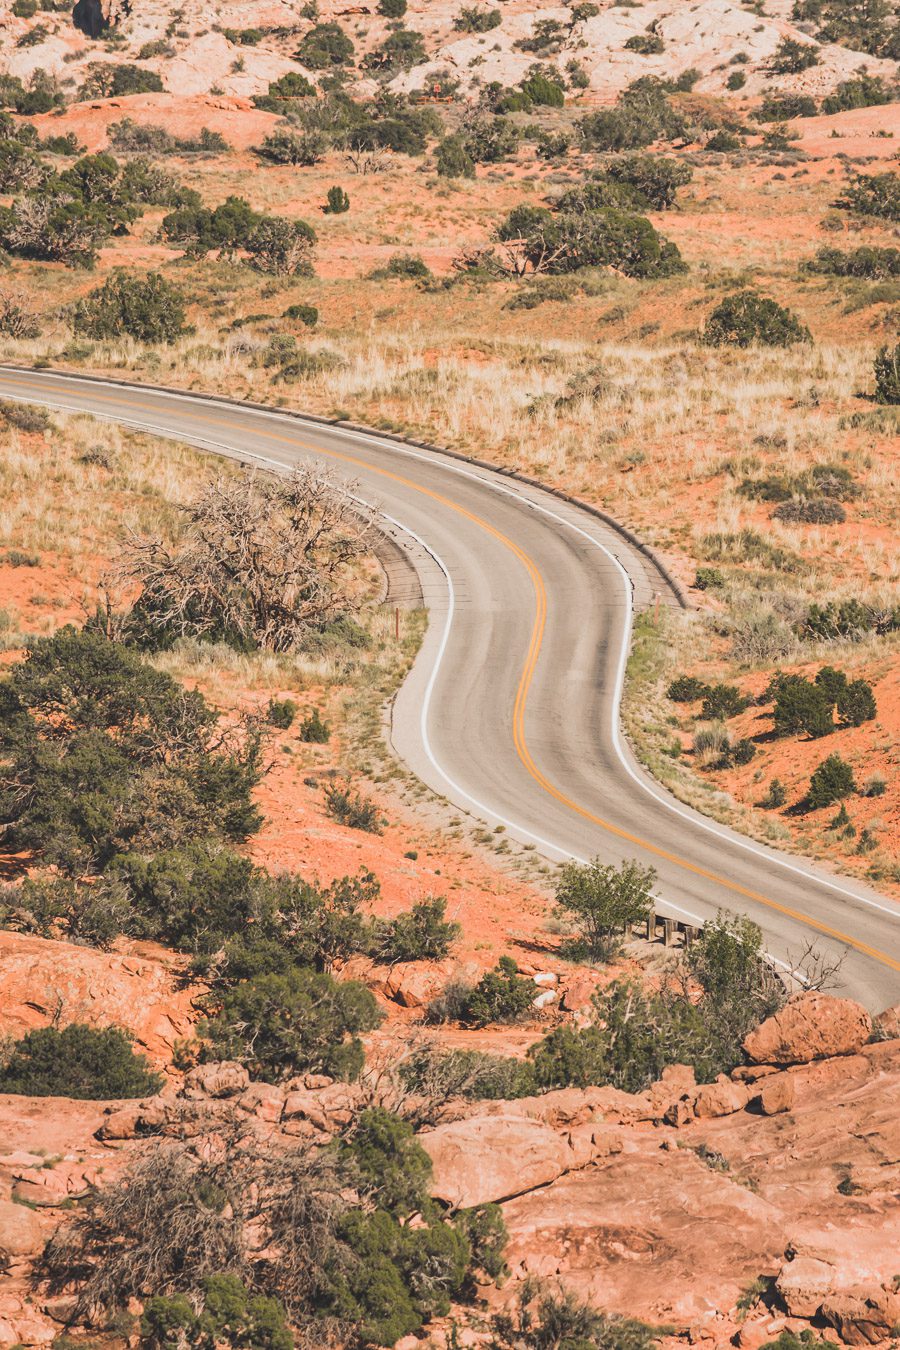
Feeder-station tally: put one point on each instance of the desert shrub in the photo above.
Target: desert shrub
(281, 713)
(543, 92)
(865, 25)
(832, 682)
(93, 912)
(874, 786)
(645, 44)
(643, 114)
(559, 1321)
(873, 195)
(23, 417)
(489, 140)
(570, 241)
(792, 57)
(228, 1315)
(349, 807)
(811, 511)
(712, 744)
(87, 1063)
(190, 897)
(867, 261)
(724, 141)
(285, 1223)
(53, 231)
(708, 578)
(282, 94)
(654, 178)
(282, 1025)
(407, 265)
(283, 146)
(594, 195)
(501, 995)
(262, 563)
(553, 146)
(887, 375)
(831, 782)
(313, 730)
(148, 138)
(420, 934)
(722, 701)
(746, 319)
(324, 46)
(742, 751)
(105, 80)
(337, 201)
(24, 9)
(781, 108)
(278, 922)
(282, 247)
(17, 319)
(102, 754)
(686, 689)
(68, 144)
(147, 308)
(736, 80)
(856, 703)
(547, 37)
(602, 902)
(401, 50)
(775, 796)
(801, 706)
(472, 19)
(635, 1032)
(847, 619)
(20, 166)
(308, 315)
(453, 159)
(862, 91)
(437, 1076)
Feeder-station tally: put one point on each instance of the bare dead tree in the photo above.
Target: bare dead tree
(816, 969)
(17, 319)
(263, 559)
(365, 158)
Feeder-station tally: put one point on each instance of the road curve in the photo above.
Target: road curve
(511, 710)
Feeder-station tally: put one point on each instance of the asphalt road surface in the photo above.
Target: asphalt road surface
(511, 710)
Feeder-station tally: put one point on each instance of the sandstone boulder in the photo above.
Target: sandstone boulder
(777, 1094)
(803, 1285)
(577, 993)
(810, 1026)
(490, 1158)
(412, 984)
(865, 1315)
(888, 1023)
(265, 1101)
(224, 1079)
(44, 981)
(721, 1098)
(21, 1232)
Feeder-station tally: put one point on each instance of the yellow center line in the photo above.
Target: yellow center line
(534, 648)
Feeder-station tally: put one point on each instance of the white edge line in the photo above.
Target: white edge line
(435, 458)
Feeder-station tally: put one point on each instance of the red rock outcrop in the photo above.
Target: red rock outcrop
(810, 1026)
(43, 981)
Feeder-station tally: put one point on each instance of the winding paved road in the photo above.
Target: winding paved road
(511, 710)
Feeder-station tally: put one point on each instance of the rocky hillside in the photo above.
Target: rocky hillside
(236, 50)
(763, 1203)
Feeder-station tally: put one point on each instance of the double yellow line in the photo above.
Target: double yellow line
(525, 681)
